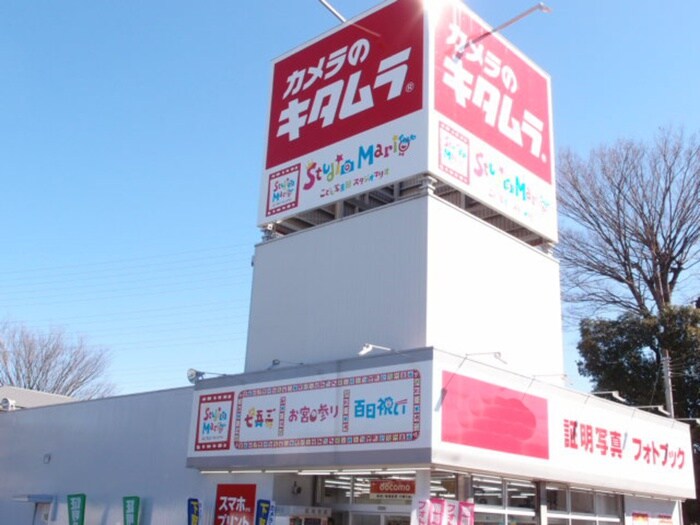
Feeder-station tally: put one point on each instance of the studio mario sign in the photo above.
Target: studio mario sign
(364, 410)
(357, 109)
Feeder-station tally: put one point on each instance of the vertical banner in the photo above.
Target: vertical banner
(76, 509)
(264, 512)
(466, 513)
(271, 515)
(193, 506)
(451, 512)
(424, 507)
(437, 511)
(132, 505)
(235, 504)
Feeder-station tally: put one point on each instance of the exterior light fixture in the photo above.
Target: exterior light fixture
(659, 408)
(367, 348)
(277, 362)
(46, 499)
(496, 355)
(615, 394)
(560, 376)
(540, 6)
(333, 10)
(194, 376)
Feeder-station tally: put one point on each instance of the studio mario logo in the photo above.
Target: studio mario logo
(214, 421)
(364, 75)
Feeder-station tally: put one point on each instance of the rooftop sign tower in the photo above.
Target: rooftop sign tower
(408, 194)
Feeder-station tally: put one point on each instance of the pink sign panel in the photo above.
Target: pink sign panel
(466, 513)
(366, 74)
(488, 416)
(490, 90)
(451, 512)
(437, 511)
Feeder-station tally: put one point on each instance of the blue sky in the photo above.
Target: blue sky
(132, 139)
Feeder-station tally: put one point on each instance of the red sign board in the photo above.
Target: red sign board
(235, 504)
(492, 91)
(366, 74)
(488, 416)
(392, 488)
(379, 101)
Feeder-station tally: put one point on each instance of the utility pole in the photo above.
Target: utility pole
(668, 387)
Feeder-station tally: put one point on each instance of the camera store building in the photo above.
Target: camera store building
(409, 210)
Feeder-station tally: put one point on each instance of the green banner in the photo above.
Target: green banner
(76, 509)
(131, 510)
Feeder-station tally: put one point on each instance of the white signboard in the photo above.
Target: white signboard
(361, 409)
(367, 409)
(513, 425)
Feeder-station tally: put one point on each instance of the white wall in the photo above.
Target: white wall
(490, 293)
(320, 294)
(413, 274)
(122, 446)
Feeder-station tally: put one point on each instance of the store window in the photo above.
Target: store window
(582, 522)
(581, 507)
(520, 494)
(485, 518)
(487, 491)
(608, 505)
(368, 489)
(389, 489)
(499, 501)
(557, 521)
(556, 499)
(502, 501)
(582, 503)
(336, 490)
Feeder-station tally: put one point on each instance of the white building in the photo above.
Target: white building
(409, 206)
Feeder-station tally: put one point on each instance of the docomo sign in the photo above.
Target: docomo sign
(392, 487)
(492, 91)
(366, 74)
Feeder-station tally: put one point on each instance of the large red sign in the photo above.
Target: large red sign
(364, 75)
(235, 504)
(484, 415)
(490, 90)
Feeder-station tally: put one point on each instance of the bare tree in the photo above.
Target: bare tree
(52, 362)
(634, 222)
